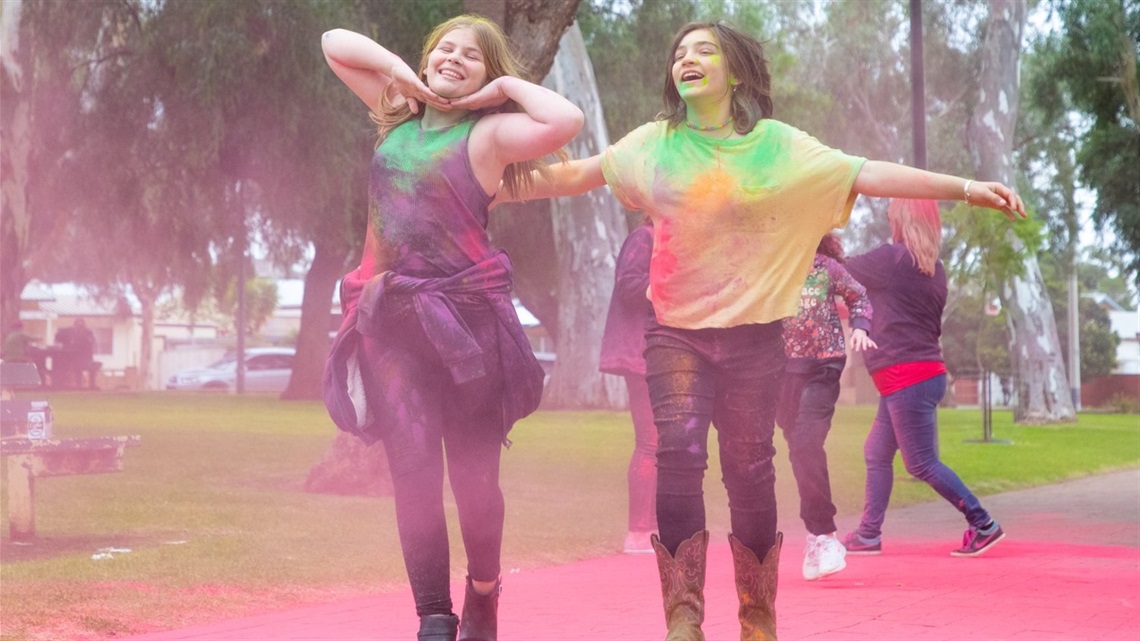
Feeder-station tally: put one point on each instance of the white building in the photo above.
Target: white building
(1126, 325)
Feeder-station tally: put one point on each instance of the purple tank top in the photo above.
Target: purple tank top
(425, 204)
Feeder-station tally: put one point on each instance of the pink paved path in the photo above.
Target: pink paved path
(1069, 568)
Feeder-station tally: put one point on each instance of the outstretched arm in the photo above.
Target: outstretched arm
(571, 178)
(368, 68)
(889, 180)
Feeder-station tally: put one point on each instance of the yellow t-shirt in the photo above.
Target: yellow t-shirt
(735, 222)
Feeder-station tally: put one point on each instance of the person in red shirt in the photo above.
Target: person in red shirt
(906, 283)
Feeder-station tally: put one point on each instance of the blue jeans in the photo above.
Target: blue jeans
(807, 406)
(729, 378)
(907, 422)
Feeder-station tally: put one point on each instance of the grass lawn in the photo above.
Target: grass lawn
(212, 510)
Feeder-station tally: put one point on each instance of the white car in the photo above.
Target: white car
(267, 369)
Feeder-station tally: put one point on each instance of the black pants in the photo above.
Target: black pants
(429, 416)
(729, 378)
(807, 406)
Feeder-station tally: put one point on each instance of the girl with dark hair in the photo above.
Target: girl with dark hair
(431, 357)
(814, 346)
(738, 202)
(906, 283)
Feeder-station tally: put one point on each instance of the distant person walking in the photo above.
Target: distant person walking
(623, 347)
(815, 347)
(82, 348)
(431, 357)
(906, 283)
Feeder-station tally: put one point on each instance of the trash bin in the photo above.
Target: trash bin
(21, 418)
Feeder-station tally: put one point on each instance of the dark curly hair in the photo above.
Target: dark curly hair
(744, 56)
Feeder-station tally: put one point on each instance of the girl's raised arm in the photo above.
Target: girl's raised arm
(889, 180)
(547, 121)
(368, 68)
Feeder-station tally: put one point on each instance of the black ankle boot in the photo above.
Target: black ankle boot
(480, 619)
(438, 627)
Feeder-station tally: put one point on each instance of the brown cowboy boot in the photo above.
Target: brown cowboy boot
(480, 618)
(682, 586)
(756, 587)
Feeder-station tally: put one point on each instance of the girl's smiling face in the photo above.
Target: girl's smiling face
(456, 67)
(699, 69)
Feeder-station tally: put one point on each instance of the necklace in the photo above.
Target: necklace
(712, 128)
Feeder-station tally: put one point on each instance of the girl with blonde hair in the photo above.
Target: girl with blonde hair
(906, 284)
(431, 358)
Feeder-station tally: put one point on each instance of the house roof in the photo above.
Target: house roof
(1104, 300)
(67, 299)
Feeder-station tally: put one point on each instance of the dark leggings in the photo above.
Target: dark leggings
(729, 378)
(429, 414)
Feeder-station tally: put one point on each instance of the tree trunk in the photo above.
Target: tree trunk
(533, 26)
(570, 299)
(146, 348)
(588, 232)
(15, 219)
(1035, 351)
(351, 468)
(313, 339)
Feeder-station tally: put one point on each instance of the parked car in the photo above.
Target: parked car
(267, 369)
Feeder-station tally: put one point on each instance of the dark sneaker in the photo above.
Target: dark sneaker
(974, 543)
(856, 547)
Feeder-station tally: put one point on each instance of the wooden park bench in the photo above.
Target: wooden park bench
(28, 458)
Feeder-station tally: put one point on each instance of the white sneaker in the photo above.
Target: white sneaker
(830, 554)
(638, 543)
(811, 558)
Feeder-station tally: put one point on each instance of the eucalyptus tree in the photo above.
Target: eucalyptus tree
(588, 231)
(46, 52)
(1043, 394)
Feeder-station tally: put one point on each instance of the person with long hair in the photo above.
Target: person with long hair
(906, 283)
(431, 358)
(622, 354)
(738, 202)
(817, 353)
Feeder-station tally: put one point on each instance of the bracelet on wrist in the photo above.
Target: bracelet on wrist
(966, 190)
